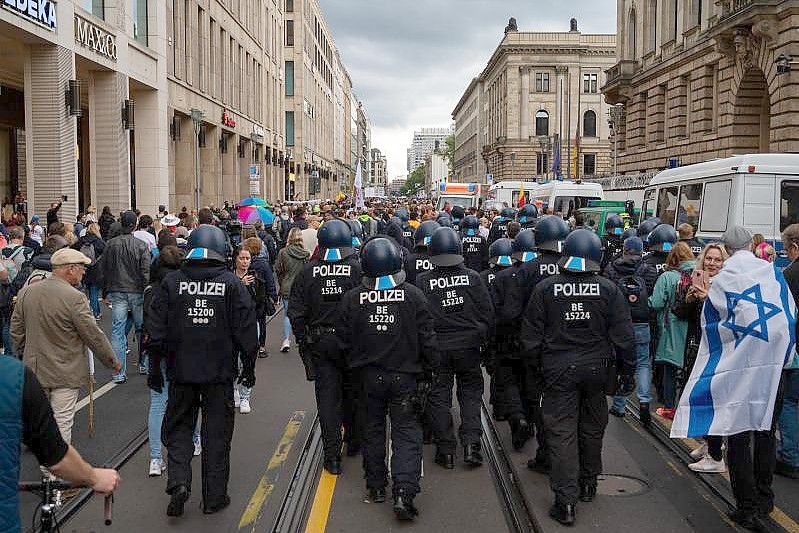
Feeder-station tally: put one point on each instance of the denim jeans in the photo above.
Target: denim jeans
(8, 347)
(121, 303)
(94, 299)
(643, 368)
(788, 446)
(155, 417)
(669, 398)
(286, 321)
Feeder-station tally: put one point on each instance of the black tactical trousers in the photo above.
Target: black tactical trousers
(511, 377)
(390, 392)
(463, 366)
(575, 413)
(533, 390)
(337, 401)
(216, 432)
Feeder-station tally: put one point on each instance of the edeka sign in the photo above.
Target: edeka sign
(95, 38)
(39, 11)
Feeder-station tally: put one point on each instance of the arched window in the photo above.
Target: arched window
(631, 35)
(542, 123)
(589, 124)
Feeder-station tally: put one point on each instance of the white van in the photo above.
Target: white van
(759, 192)
(507, 192)
(563, 197)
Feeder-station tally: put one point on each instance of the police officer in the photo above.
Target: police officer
(611, 242)
(313, 308)
(202, 317)
(573, 321)
(660, 242)
(357, 235)
(458, 214)
(686, 233)
(463, 320)
(528, 216)
(475, 246)
(407, 231)
(418, 261)
(509, 302)
(646, 227)
(444, 219)
(499, 226)
(386, 330)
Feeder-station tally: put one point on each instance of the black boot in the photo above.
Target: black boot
(520, 432)
(376, 496)
(447, 460)
(216, 507)
(587, 491)
(563, 513)
(333, 465)
(180, 495)
(403, 506)
(427, 434)
(472, 455)
(646, 417)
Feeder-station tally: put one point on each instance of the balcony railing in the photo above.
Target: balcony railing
(730, 8)
(623, 70)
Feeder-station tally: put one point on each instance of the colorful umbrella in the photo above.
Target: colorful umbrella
(253, 200)
(251, 214)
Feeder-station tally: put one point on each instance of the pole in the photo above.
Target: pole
(577, 129)
(560, 122)
(569, 129)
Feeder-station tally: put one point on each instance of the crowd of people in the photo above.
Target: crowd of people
(390, 305)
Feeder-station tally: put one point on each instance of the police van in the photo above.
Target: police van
(564, 197)
(758, 191)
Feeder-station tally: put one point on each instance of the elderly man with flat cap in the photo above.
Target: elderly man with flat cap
(52, 325)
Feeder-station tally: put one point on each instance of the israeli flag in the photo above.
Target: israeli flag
(748, 336)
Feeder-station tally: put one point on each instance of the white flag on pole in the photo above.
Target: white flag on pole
(359, 203)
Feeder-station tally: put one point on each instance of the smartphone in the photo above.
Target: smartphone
(699, 279)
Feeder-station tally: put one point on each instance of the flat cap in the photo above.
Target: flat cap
(737, 238)
(68, 256)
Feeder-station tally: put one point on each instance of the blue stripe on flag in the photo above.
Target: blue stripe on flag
(701, 398)
(790, 317)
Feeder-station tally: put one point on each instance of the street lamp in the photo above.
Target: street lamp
(197, 120)
(615, 117)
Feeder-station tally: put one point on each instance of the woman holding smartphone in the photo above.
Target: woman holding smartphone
(255, 287)
(709, 457)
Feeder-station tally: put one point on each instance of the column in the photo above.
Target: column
(524, 98)
(50, 131)
(108, 141)
(183, 193)
(230, 176)
(210, 174)
(152, 150)
(511, 102)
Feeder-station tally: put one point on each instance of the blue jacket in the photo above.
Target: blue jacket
(12, 376)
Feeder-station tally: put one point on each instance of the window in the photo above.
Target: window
(589, 164)
(289, 128)
(789, 203)
(95, 7)
(289, 33)
(542, 123)
(667, 205)
(289, 78)
(715, 209)
(541, 165)
(589, 124)
(590, 83)
(289, 6)
(542, 82)
(646, 206)
(139, 15)
(631, 35)
(690, 203)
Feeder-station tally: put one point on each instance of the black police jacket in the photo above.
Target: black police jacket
(317, 293)
(612, 247)
(656, 260)
(475, 252)
(577, 319)
(389, 328)
(533, 272)
(695, 245)
(460, 305)
(202, 318)
(508, 300)
(416, 263)
(498, 229)
(489, 275)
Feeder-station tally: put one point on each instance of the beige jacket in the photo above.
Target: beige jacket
(52, 325)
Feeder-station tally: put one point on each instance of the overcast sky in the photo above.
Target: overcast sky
(411, 60)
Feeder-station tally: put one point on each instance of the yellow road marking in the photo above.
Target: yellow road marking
(317, 520)
(267, 483)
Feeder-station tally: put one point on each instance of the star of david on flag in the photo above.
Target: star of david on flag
(758, 327)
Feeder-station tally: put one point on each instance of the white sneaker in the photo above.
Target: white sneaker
(236, 396)
(156, 467)
(244, 408)
(286, 346)
(700, 452)
(708, 465)
(198, 448)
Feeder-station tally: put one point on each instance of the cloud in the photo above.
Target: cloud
(411, 60)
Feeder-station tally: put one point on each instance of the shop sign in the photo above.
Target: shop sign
(41, 12)
(227, 120)
(95, 38)
(258, 130)
(255, 181)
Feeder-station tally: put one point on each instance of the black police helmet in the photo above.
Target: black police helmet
(470, 226)
(357, 231)
(614, 225)
(396, 220)
(444, 219)
(381, 262)
(335, 240)
(424, 232)
(524, 246)
(500, 252)
(646, 227)
(445, 248)
(508, 213)
(582, 252)
(629, 232)
(402, 214)
(527, 213)
(207, 242)
(662, 238)
(550, 232)
(458, 213)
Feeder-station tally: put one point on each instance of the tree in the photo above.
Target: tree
(448, 151)
(414, 183)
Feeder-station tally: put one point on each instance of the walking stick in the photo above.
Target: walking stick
(91, 394)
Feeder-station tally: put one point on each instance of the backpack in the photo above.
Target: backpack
(88, 250)
(8, 262)
(635, 291)
(680, 307)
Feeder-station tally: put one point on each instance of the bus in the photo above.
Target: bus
(564, 197)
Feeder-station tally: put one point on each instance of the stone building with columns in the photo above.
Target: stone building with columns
(538, 93)
(698, 80)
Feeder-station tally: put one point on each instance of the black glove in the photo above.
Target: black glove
(155, 381)
(625, 384)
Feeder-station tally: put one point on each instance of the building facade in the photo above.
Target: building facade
(379, 169)
(425, 141)
(436, 171)
(536, 106)
(699, 80)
